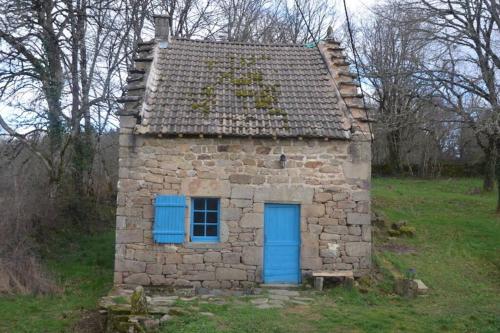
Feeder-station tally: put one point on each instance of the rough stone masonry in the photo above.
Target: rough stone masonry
(329, 179)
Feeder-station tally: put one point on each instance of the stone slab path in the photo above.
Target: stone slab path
(163, 304)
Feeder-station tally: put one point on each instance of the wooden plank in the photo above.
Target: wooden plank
(347, 274)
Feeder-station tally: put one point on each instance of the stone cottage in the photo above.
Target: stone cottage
(240, 164)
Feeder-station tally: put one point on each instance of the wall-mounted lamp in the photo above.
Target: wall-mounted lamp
(282, 161)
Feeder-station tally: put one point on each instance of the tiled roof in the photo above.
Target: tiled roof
(222, 88)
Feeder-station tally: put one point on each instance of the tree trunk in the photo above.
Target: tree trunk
(497, 171)
(490, 165)
(498, 195)
(393, 162)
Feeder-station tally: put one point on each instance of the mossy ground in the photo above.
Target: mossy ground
(455, 251)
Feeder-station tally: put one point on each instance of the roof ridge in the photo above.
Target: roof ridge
(183, 39)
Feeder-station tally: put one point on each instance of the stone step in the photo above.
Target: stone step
(279, 286)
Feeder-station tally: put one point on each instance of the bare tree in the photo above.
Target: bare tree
(62, 65)
(390, 56)
(467, 38)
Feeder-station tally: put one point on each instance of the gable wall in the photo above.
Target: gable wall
(329, 179)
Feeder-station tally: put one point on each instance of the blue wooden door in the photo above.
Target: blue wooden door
(281, 243)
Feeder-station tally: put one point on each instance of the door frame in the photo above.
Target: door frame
(299, 245)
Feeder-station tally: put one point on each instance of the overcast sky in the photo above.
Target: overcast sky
(357, 8)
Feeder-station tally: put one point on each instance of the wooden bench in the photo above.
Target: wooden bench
(319, 277)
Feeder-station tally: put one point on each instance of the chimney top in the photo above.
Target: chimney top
(162, 27)
(329, 35)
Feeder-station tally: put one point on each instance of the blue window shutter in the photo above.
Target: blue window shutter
(169, 219)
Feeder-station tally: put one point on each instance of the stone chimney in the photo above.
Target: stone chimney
(162, 27)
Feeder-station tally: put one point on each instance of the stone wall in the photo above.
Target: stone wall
(329, 179)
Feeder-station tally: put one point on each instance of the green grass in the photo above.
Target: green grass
(83, 266)
(457, 254)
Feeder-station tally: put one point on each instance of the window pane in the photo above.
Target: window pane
(198, 230)
(212, 217)
(199, 217)
(211, 230)
(199, 204)
(212, 204)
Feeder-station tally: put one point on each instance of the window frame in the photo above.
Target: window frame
(204, 239)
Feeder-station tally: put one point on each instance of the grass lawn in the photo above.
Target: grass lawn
(84, 270)
(456, 252)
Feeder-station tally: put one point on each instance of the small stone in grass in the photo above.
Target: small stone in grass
(207, 314)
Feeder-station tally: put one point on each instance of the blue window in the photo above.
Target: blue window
(205, 219)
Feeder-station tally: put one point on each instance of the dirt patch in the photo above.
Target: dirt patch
(397, 248)
(90, 322)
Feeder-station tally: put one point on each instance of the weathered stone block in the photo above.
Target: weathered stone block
(326, 221)
(211, 284)
(205, 187)
(357, 218)
(240, 179)
(358, 249)
(285, 193)
(252, 255)
(309, 245)
(323, 197)
(148, 212)
(200, 276)
(336, 229)
(138, 278)
(152, 178)
(223, 273)
(262, 150)
(231, 214)
(241, 203)
(169, 269)
(314, 210)
(359, 170)
(314, 263)
(329, 169)
(241, 192)
(126, 140)
(252, 220)
(354, 230)
(325, 236)
(182, 283)
(313, 164)
(129, 236)
(212, 257)
(315, 229)
(158, 280)
(130, 266)
(340, 196)
(231, 258)
(154, 269)
(172, 258)
(361, 196)
(245, 236)
(128, 185)
(366, 233)
(146, 256)
(192, 259)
